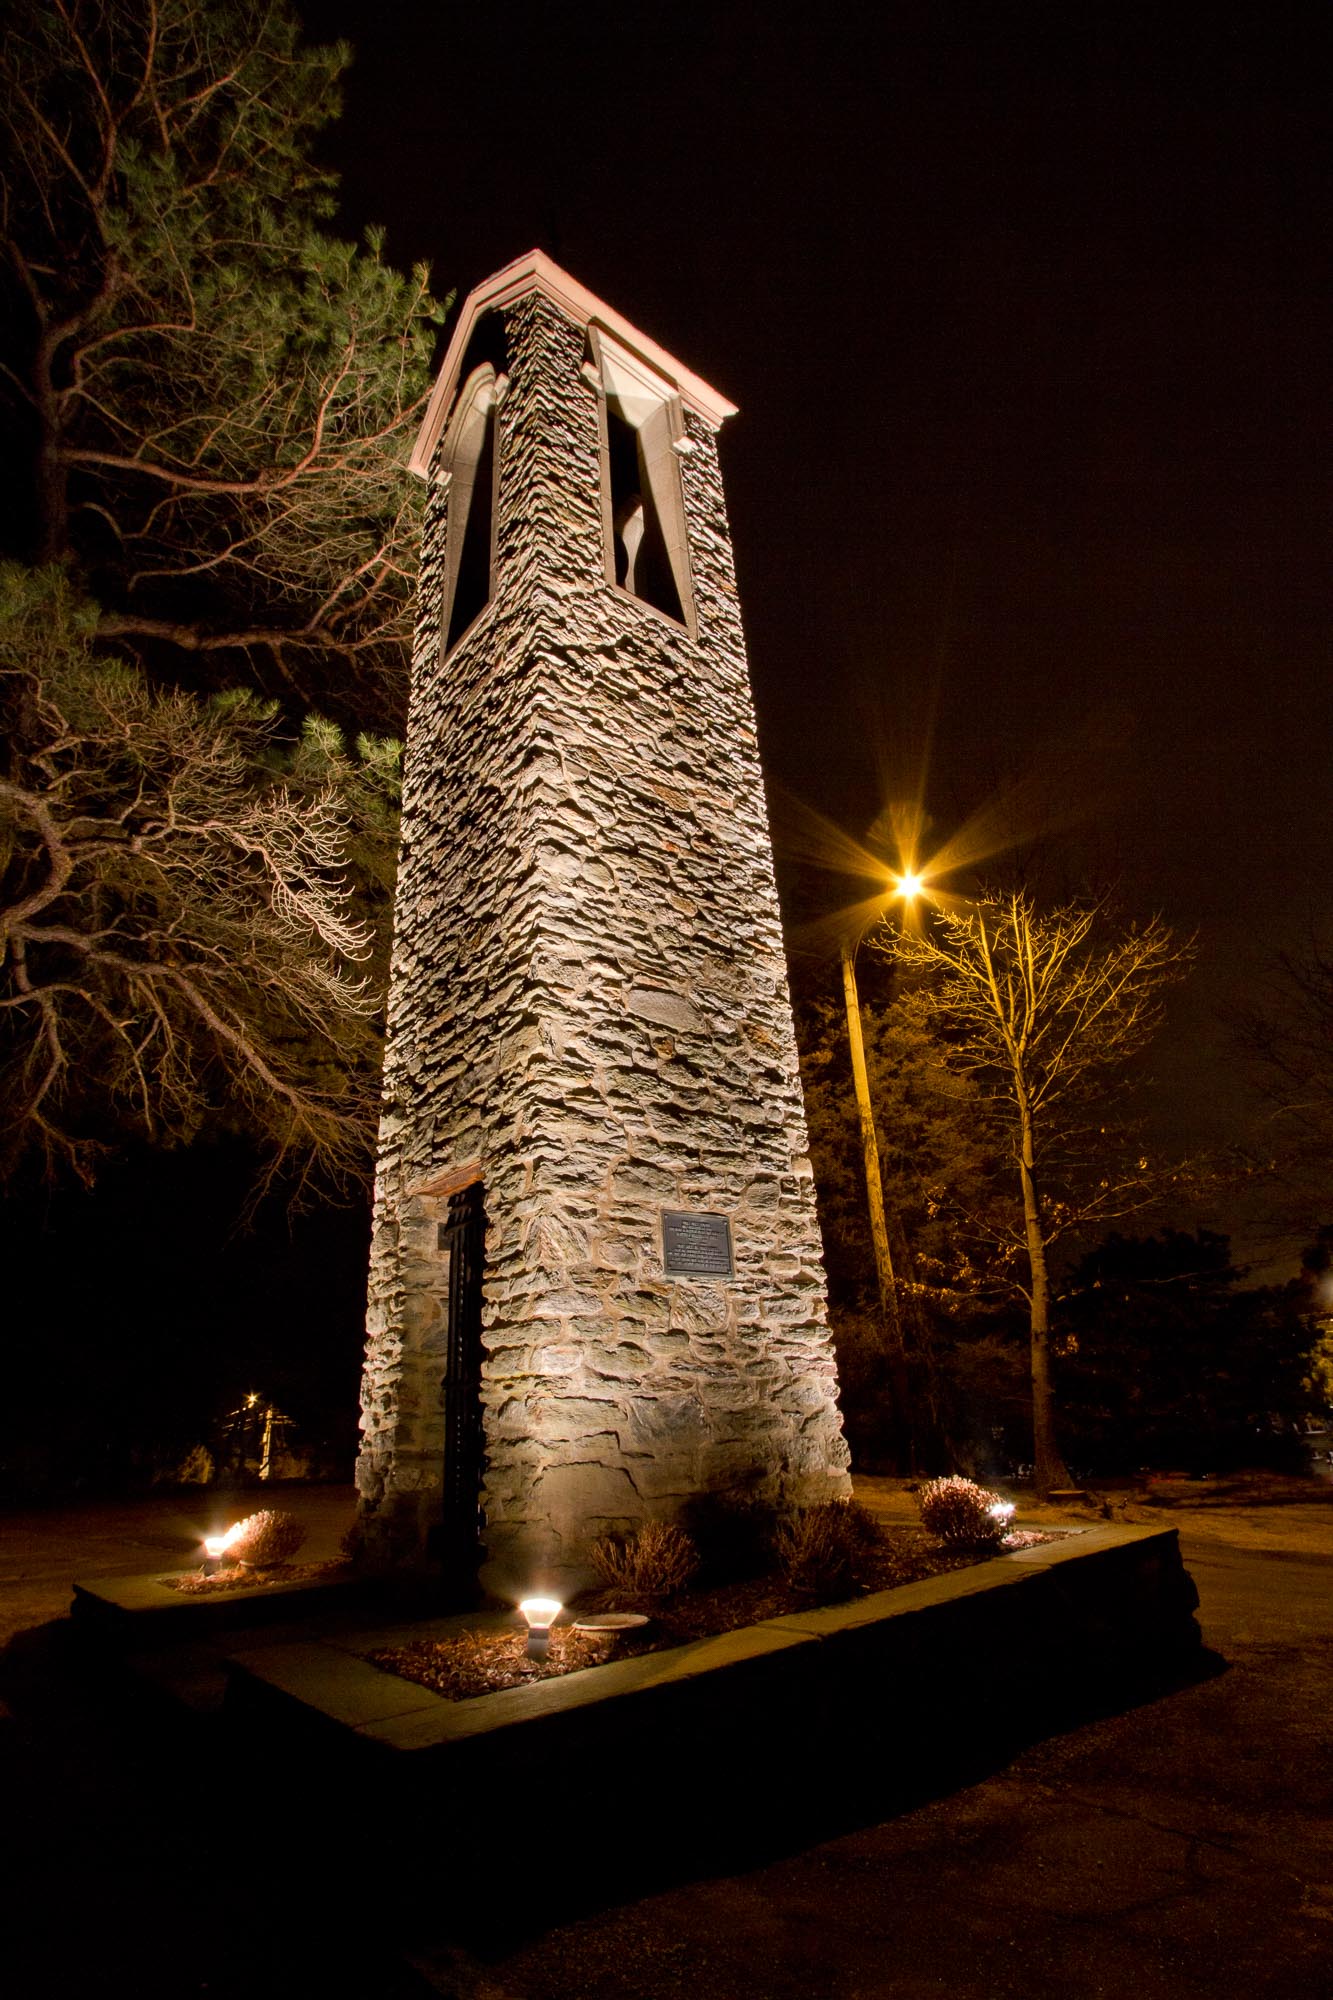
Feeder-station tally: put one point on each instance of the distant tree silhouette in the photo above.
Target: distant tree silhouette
(1167, 1359)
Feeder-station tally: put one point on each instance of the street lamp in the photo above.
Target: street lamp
(879, 1234)
(907, 886)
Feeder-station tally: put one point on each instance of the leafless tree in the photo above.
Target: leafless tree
(1042, 1012)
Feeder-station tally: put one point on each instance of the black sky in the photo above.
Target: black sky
(1026, 308)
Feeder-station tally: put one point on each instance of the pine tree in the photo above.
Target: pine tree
(207, 401)
(185, 948)
(212, 397)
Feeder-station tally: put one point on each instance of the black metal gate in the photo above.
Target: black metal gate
(464, 1237)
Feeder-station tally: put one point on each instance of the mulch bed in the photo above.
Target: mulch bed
(236, 1576)
(479, 1663)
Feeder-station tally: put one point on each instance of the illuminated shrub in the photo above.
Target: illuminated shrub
(826, 1550)
(656, 1562)
(264, 1540)
(959, 1513)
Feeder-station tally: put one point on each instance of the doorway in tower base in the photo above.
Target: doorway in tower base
(461, 1237)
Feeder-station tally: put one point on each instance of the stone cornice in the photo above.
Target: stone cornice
(536, 272)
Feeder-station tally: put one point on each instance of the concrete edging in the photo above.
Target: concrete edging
(150, 1611)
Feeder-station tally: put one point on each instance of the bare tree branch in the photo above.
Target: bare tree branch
(231, 389)
(178, 937)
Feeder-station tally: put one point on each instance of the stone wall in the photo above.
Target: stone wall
(589, 1008)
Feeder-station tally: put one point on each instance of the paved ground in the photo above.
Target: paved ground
(1180, 1851)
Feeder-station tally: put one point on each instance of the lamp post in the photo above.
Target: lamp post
(907, 887)
(879, 1232)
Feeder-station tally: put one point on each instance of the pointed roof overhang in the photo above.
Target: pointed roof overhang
(536, 272)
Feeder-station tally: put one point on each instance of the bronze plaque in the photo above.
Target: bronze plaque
(696, 1246)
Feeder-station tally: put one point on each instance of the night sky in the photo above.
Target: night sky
(1026, 308)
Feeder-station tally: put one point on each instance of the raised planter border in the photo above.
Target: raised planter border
(147, 1610)
(700, 1758)
(1105, 1605)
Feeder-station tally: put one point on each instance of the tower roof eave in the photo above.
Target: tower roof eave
(536, 272)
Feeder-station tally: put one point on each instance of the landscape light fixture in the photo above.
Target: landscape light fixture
(1002, 1511)
(541, 1613)
(216, 1546)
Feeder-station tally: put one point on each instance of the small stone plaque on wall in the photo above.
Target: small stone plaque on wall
(696, 1246)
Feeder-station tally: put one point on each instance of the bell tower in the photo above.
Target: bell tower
(596, 1282)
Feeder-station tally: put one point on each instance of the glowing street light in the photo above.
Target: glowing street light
(905, 887)
(879, 1229)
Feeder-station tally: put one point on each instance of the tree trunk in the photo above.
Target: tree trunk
(1048, 1467)
(890, 1318)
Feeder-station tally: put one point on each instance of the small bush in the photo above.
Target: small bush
(264, 1540)
(825, 1550)
(656, 1562)
(958, 1512)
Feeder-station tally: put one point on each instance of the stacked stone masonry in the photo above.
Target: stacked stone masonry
(589, 1008)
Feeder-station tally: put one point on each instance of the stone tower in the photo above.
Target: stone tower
(596, 1287)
